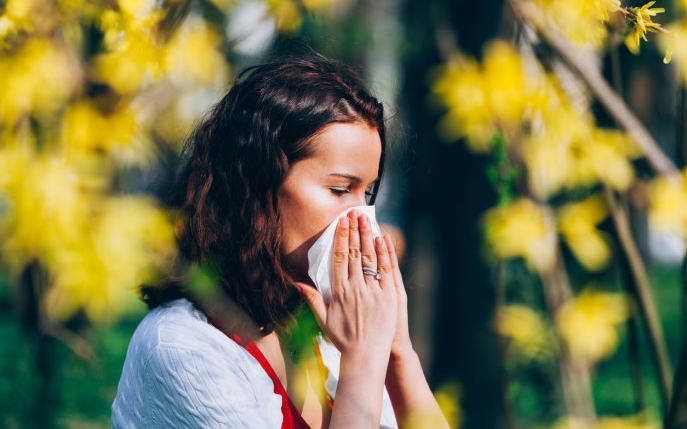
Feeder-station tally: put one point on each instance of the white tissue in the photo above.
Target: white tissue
(320, 254)
(320, 271)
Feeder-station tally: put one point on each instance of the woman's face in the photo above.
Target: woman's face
(335, 177)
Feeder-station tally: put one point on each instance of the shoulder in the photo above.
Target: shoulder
(177, 324)
(180, 369)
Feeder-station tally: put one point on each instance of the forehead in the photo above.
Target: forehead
(353, 148)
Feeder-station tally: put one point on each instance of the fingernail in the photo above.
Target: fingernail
(363, 220)
(343, 222)
(352, 214)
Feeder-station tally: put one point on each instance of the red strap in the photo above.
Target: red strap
(292, 418)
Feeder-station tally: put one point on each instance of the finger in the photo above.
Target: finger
(340, 254)
(315, 301)
(355, 269)
(368, 254)
(396, 269)
(384, 264)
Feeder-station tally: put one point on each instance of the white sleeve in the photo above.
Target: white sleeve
(187, 388)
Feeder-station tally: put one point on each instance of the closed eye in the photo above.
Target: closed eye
(339, 191)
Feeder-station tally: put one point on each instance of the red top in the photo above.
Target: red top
(292, 418)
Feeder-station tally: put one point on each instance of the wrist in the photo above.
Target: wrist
(366, 354)
(369, 362)
(402, 353)
(407, 361)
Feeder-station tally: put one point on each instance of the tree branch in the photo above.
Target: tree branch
(643, 292)
(592, 77)
(575, 376)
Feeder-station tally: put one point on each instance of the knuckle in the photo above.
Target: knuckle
(383, 269)
(368, 258)
(354, 253)
(339, 256)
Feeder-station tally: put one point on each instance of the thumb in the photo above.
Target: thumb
(315, 301)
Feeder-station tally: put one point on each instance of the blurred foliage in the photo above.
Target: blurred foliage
(559, 176)
(96, 92)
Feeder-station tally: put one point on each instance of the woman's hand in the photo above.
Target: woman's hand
(401, 345)
(362, 314)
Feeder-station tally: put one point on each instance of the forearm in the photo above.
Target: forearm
(358, 402)
(409, 392)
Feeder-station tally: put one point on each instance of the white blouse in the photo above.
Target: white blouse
(182, 372)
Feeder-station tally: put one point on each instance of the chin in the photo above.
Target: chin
(296, 264)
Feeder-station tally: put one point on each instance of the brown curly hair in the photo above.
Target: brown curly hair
(234, 163)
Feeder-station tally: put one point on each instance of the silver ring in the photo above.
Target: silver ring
(370, 272)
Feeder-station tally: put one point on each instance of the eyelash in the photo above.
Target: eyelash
(339, 192)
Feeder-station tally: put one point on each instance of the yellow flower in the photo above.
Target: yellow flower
(605, 154)
(128, 244)
(582, 22)
(286, 14)
(644, 14)
(141, 14)
(96, 250)
(667, 43)
(577, 224)
(565, 149)
(461, 88)
(481, 100)
(640, 18)
(632, 40)
(674, 44)
(639, 421)
(448, 396)
(506, 84)
(133, 55)
(193, 55)
(529, 335)
(8, 28)
(131, 64)
(223, 4)
(26, 14)
(589, 324)
(668, 203)
(522, 229)
(29, 87)
(606, 7)
(548, 162)
(48, 207)
(84, 127)
(549, 151)
(317, 5)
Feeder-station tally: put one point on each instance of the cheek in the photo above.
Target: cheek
(305, 215)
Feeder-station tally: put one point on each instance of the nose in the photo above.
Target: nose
(361, 200)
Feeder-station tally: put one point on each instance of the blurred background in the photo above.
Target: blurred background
(534, 181)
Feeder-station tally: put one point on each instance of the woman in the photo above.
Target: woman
(293, 144)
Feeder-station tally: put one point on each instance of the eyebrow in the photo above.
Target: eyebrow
(351, 177)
